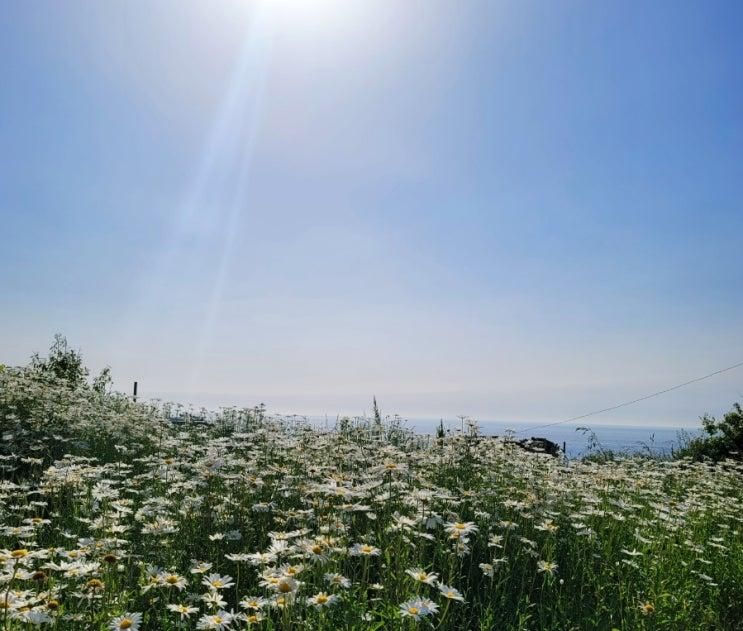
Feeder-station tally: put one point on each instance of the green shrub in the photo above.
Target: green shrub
(721, 439)
(48, 409)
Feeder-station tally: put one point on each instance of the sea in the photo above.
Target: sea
(576, 438)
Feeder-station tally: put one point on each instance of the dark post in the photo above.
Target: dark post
(564, 450)
(135, 390)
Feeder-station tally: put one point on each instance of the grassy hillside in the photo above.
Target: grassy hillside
(110, 517)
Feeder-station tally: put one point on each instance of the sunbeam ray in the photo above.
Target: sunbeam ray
(210, 213)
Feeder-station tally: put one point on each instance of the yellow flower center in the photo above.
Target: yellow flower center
(126, 623)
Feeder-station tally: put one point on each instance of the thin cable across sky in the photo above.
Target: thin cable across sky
(625, 404)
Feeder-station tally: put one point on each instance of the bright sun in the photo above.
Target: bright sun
(312, 15)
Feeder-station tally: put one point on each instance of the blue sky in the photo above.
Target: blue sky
(512, 210)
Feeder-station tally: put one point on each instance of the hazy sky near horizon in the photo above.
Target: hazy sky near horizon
(510, 210)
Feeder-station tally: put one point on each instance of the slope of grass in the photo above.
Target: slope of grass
(112, 518)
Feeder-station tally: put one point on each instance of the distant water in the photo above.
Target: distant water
(625, 438)
(630, 438)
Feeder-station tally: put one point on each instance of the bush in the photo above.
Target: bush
(721, 439)
(63, 363)
(48, 409)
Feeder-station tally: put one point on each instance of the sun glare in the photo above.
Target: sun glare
(302, 16)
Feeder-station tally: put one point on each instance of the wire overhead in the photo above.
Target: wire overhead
(626, 403)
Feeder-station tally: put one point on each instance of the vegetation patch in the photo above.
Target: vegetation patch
(112, 517)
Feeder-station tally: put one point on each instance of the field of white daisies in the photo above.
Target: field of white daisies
(111, 517)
